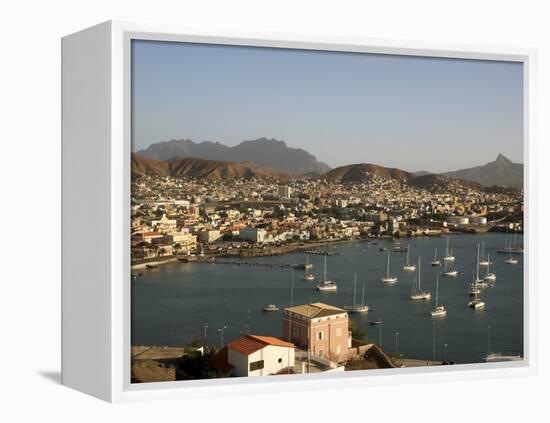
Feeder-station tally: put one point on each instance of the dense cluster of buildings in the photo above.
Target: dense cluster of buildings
(181, 216)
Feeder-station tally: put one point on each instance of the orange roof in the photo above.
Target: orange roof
(249, 344)
(270, 340)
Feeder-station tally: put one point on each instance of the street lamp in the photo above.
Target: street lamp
(221, 335)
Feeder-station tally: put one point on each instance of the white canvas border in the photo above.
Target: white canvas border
(121, 389)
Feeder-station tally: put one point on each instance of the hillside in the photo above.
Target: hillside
(365, 171)
(501, 171)
(191, 167)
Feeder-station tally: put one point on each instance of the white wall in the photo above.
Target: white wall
(270, 354)
(30, 311)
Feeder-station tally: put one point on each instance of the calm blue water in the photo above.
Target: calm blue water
(171, 303)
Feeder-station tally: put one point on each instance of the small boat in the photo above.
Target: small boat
(389, 279)
(510, 259)
(151, 266)
(476, 303)
(500, 357)
(417, 293)
(439, 310)
(305, 266)
(483, 262)
(400, 249)
(271, 307)
(375, 322)
(436, 261)
(449, 271)
(357, 308)
(489, 276)
(448, 252)
(409, 267)
(309, 277)
(327, 285)
(384, 249)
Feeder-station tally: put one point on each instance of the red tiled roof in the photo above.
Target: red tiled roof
(249, 344)
(219, 361)
(270, 340)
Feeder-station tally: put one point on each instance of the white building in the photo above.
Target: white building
(253, 355)
(255, 235)
(164, 224)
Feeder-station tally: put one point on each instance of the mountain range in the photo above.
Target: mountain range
(270, 157)
(263, 152)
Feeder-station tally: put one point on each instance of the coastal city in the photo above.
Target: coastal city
(296, 211)
(200, 221)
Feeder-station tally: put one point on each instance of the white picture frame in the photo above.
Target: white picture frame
(96, 137)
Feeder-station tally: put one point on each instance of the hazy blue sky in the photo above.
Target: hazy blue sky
(407, 112)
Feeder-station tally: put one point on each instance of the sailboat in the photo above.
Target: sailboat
(388, 278)
(449, 271)
(417, 293)
(309, 277)
(357, 308)
(483, 262)
(510, 259)
(477, 283)
(439, 310)
(409, 267)
(448, 253)
(327, 285)
(436, 261)
(489, 276)
(476, 302)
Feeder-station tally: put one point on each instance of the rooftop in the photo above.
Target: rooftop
(249, 344)
(315, 310)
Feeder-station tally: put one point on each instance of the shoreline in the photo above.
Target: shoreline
(280, 250)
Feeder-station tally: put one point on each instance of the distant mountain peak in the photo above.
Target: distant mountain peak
(501, 158)
(502, 171)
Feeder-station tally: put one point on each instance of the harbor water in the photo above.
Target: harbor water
(172, 303)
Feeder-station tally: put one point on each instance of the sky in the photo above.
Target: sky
(413, 113)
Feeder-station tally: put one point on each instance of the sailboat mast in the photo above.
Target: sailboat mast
(354, 289)
(436, 289)
(388, 266)
(419, 274)
(363, 296)
(325, 271)
(477, 264)
(408, 255)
